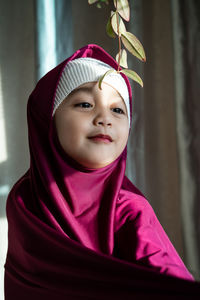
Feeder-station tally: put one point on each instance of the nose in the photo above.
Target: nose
(102, 119)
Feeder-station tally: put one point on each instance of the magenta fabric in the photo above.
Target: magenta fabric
(79, 233)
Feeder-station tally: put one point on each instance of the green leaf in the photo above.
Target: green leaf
(133, 45)
(123, 58)
(109, 29)
(98, 5)
(133, 75)
(102, 77)
(123, 8)
(92, 1)
(122, 28)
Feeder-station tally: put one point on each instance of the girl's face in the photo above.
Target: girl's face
(92, 125)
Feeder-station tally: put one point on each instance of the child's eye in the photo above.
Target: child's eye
(118, 110)
(83, 104)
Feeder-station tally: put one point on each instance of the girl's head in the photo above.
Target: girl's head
(92, 124)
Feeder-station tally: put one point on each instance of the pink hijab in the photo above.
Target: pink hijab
(79, 233)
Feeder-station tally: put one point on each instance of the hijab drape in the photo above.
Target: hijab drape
(79, 233)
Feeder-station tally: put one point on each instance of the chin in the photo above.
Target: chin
(96, 165)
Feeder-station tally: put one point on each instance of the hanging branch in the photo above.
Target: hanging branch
(116, 27)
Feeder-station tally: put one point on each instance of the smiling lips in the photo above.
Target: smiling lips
(101, 138)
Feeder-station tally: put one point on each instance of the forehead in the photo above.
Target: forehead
(91, 88)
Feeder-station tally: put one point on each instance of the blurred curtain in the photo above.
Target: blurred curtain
(17, 79)
(186, 42)
(54, 33)
(171, 36)
(163, 156)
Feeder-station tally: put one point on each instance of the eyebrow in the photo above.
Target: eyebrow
(82, 89)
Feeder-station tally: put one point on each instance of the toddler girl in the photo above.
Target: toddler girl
(78, 228)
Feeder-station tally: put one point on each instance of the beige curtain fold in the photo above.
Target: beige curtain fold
(186, 37)
(153, 153)
(161, 152)
(168, 136)
(17, 79)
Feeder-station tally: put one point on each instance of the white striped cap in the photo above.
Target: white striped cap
(87, 69)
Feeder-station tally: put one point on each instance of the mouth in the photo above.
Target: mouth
(101, 138)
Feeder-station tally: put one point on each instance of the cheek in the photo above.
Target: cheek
(62, 128)
(72, 132)
(124, 133)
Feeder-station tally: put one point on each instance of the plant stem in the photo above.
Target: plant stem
(119, 39)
